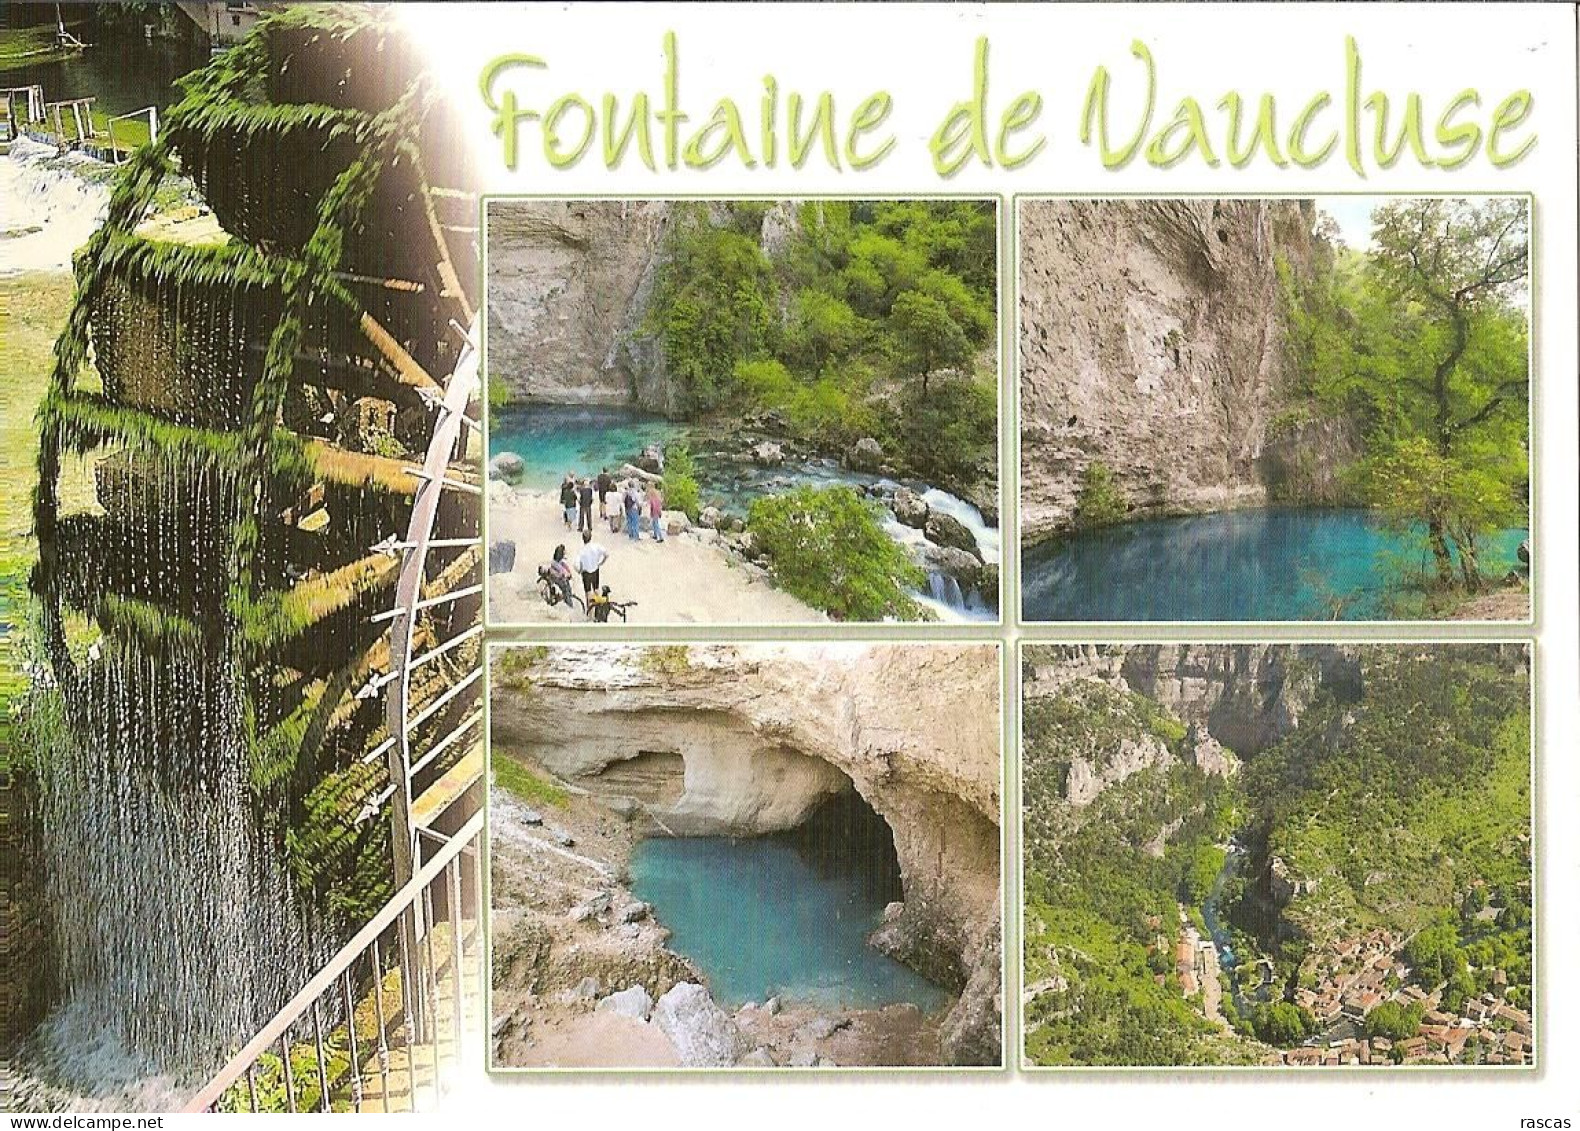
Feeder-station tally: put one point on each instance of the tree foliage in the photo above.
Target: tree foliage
(1100, 502)
(828, 548)
(866, 320)
(1394, 1021)
(1425, 339)
(681, 492)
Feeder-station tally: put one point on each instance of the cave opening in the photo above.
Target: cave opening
(788, 914)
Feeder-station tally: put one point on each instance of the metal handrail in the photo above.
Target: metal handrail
(326, 979)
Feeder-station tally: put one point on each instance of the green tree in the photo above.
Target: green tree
(499, 394)
(1439, 351)
(1204, 869)
(1434, 954)
(1285, 1024)
(681, 492)
(1394, 1021)
(828, 548)
(822, 327)
(927, 335)
(713, 308)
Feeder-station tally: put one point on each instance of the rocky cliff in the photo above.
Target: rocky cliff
(744, 740)
(1244, 697)
(1151, 341)
(567, 289)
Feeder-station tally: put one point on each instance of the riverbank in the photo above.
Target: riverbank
(583, 977)
(955, 543)
(690, 578)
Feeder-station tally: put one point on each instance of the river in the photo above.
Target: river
(1271, 564)
(123, 72)
(1222, 939)
(582, 439)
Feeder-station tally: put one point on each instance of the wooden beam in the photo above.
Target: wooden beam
(405, 366)
(446, 265)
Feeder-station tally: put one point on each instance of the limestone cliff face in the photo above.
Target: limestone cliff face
(1151, 341)
(1243, 697)
(567, 288)
(750, 739)
(1246, 696)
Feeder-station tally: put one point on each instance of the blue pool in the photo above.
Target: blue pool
(554, 439)
(1275, 564)
(761, 917)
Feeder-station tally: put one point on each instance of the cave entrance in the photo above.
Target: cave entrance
(787, 914)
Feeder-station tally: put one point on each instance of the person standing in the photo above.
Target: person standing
(605, 485)
(589, 562)
(633, 512)
(568, 500)
(655, 509)
(584, 498)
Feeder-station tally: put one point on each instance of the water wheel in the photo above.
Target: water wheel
(258, 512)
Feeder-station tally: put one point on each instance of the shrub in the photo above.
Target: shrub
(498, 393)
(766, 382)
(1101, 502)
(828, 548)
(681, 492)
(950, 433)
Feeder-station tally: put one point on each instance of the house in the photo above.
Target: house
(224, 21)
(1413, 1049)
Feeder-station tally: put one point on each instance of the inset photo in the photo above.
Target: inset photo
(1275, 410)
(765, 856)
(1277, 855)
(749, 412)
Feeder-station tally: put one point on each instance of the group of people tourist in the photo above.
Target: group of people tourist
(630, 501)
(576, 500)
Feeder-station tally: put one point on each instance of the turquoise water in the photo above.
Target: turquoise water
(554, 439)
(1275, 564)
(761, 916)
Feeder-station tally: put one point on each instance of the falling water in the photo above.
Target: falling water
(945, 590)
(986, 535)
(175, 929)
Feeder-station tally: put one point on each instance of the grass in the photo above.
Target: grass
(29, 46)
(33, 308)
(514, 778)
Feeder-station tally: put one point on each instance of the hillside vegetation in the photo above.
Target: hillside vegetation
(866, 319)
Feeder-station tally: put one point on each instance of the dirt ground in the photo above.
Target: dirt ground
(683, 580)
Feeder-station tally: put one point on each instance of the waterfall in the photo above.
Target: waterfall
(987, 536)
(945, 590)
(175, 929)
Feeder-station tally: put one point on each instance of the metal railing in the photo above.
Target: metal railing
(368, 1033)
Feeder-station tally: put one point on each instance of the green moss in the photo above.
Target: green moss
(279, 617)
(665, 659)
(153, 626)
(516, 667)
(523, 784)
(34, 46)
